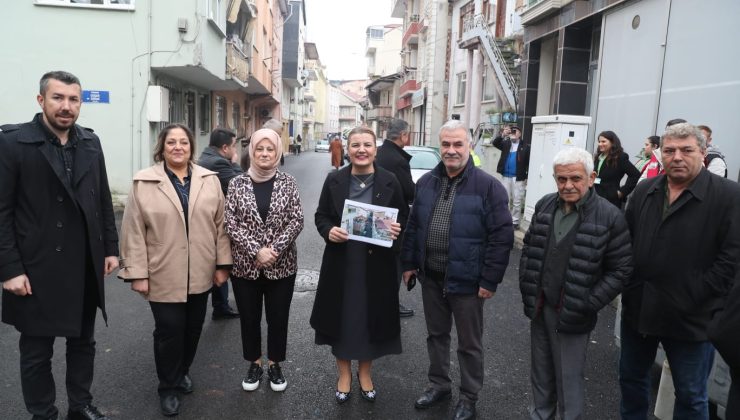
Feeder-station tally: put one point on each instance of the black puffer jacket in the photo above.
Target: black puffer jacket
(600, 262)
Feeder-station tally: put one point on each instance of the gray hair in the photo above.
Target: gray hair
(453, 125)
(274, 125)
(63, 76)
(683, 131)
(571, 155)
(396, 128)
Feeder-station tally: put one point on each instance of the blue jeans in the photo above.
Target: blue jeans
(220, 298)
(690, 361)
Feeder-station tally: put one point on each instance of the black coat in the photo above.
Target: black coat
(724, 330)
(226, 170)
(686, 262)
(522, 157)
(55, 235)
(393, 158)
(600, 262)
(381, 270)
(611, 176)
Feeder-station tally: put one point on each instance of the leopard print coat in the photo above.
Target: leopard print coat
(249, 233)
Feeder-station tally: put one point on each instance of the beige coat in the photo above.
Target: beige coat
(155, 244)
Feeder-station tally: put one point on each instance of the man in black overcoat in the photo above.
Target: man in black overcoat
(57, 241)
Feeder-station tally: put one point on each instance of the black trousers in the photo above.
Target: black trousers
(37, 381)
(177, 328)
(277, 295)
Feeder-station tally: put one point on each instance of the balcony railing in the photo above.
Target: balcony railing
(380, 112)
(408, 87)
(237, 63)
(412, 33)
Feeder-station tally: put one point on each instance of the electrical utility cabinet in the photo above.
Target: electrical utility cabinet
(550, 134)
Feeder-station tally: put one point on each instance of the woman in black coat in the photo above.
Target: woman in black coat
(611, 165)
(356, 306)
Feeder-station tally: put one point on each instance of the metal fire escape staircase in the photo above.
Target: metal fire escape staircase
(476, 32)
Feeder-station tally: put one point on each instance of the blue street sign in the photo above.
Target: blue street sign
(96, 96)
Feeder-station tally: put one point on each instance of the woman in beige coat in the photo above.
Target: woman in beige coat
(173, 250)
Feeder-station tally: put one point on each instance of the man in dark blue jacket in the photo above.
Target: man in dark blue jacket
(576, 258)
(220, 157)
(458, 240)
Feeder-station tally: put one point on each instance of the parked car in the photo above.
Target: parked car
(321, 146)
(423, 160)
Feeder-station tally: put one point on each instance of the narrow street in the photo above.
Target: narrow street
(125, 380)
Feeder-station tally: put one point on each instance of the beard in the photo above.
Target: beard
(55, 123)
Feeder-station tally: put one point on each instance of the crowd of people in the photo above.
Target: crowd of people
(189, 227)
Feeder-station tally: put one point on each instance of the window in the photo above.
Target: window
(375, 33)
(205, 114)
(488, 84)
(236, 116)
(216, 16)
(96, 4)
(461, 87)
(220, 111)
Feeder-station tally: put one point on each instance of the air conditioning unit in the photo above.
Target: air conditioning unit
(157, 104)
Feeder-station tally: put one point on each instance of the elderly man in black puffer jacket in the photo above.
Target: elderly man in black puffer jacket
(576, 258)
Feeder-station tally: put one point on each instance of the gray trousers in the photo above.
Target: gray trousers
(467, 311)
(558, 361)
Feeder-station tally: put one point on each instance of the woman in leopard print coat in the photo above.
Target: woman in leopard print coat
(263, 219)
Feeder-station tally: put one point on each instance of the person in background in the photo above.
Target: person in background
(244, 161)
(392, 157)
(174, 249)
(356, 306)
(513, 165)
(57, 242)
(219, 157)
(336, 152)
(576, 259)
(458, 241)
(714, 159)
(612, 164)
(654, 165)
(298, 143)
(685, 228)
(263, 220)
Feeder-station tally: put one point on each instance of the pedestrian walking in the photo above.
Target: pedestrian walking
(575, 260)
(220, 156)
(298, 143)
(173, 250)
(356, 306)
(57, 241)
(685, 228)
(458, 240)
(336, 153)
(263, 219)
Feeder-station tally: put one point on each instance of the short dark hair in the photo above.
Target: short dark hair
(675, 121)
(655, 141)
(63, 76)
(221, 137)
(159, 147)
(397, 127)
(705, 128)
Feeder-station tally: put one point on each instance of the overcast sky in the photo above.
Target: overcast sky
(338, 29)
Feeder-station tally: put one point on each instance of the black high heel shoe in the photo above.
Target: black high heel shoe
(366, 395)
(343, 397)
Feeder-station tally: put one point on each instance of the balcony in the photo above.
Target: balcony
(411, 36)
(380, 112)
(237, 64)
(538, 9)
(408, 88)
(344, 117)
(403, 103)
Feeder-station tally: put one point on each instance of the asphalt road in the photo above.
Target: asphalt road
(125, 380)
